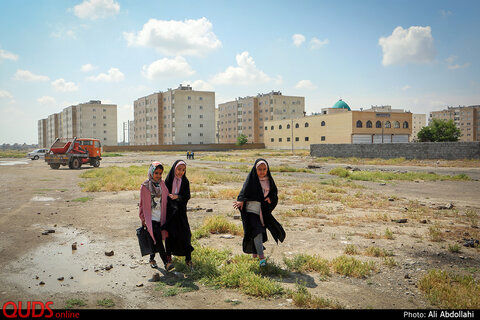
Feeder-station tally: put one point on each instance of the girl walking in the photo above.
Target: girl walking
(256, 201)
(178, 242)
(153, 210)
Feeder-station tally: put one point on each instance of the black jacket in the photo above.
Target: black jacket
(179, 234)
(252, 191)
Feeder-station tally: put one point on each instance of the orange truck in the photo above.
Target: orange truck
(74, 152)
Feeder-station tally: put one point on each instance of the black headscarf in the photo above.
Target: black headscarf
(171, 176)
(252, 189)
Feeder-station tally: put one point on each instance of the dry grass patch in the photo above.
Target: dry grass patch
(451, 291)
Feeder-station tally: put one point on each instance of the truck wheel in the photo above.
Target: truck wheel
(75, 164)
(96, 163)
(55, 166)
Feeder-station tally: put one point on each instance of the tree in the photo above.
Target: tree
(439, 131)
(241, 140)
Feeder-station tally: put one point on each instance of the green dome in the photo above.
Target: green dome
(341, 105)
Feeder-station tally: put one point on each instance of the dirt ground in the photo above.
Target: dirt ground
(37, 266)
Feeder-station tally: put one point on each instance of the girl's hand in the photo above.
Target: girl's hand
(238, 205)
(268, 200)
(143, 224)
(173, 196)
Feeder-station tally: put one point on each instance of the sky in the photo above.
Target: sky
(420, 56)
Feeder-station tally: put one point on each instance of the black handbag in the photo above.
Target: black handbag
(145, 241)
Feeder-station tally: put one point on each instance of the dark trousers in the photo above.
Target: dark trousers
(157, 233)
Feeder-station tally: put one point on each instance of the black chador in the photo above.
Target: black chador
(252, 191)
(179, 234)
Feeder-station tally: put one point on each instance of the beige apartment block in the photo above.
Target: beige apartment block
(177, 116)
(53, 128)
(418, 122)
(467, 119)
(246, 115)
(97, 120)
(42, 133)
(338, 127)
(85, 120)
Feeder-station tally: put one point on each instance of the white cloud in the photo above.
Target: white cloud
(96, 9)
(445, 13)
(64, 86)
(406, 87)
(113, 75)
(176, 67)
(412, 45)
(176, 38)
(245, 73)
(451, 66)
(305, 84)
(26, 75)
(298, 39)
(88, 67)
(46, 101)
(316, 43)
(5, 55)
(200, 85)
(64, 34)
(4, 94)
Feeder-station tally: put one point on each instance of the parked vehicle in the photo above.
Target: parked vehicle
(37, 154)
(74, 153)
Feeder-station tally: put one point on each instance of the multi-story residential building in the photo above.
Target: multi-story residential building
(85, 120)
(53, 129)
(42, 133)
(418, 122)
(339, 124)
(467, 119)
(176, 116)
(246, 115)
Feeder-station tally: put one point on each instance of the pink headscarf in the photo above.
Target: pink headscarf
(264, 182)
(177, 182)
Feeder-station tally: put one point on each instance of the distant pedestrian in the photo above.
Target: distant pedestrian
(256, 201)
(153, 210)
(179, 235)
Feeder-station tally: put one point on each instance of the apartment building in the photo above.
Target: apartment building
(339, 124)
(467, 119)
(85, 120)
(246, 115)
(42, 133)
(176, 116)
(418, 122)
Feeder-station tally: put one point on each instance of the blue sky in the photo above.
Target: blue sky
(415, 55)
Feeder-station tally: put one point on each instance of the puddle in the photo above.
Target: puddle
(12, 163)
(42, 199)
(56, 267)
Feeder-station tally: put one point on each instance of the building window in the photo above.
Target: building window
(266, 128)
(297, 139)
(306, 124)
(288, 139)
(297, 125)
(279, 139)
(288, 126)
(359, 124)
(306, 138)
(280, 127)
(323, 124)
(405, 125)
(272, 140)
(378, 124)
(369, 124)
(396, 124)
(323, 138)
(388, 124)
(271, 128)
